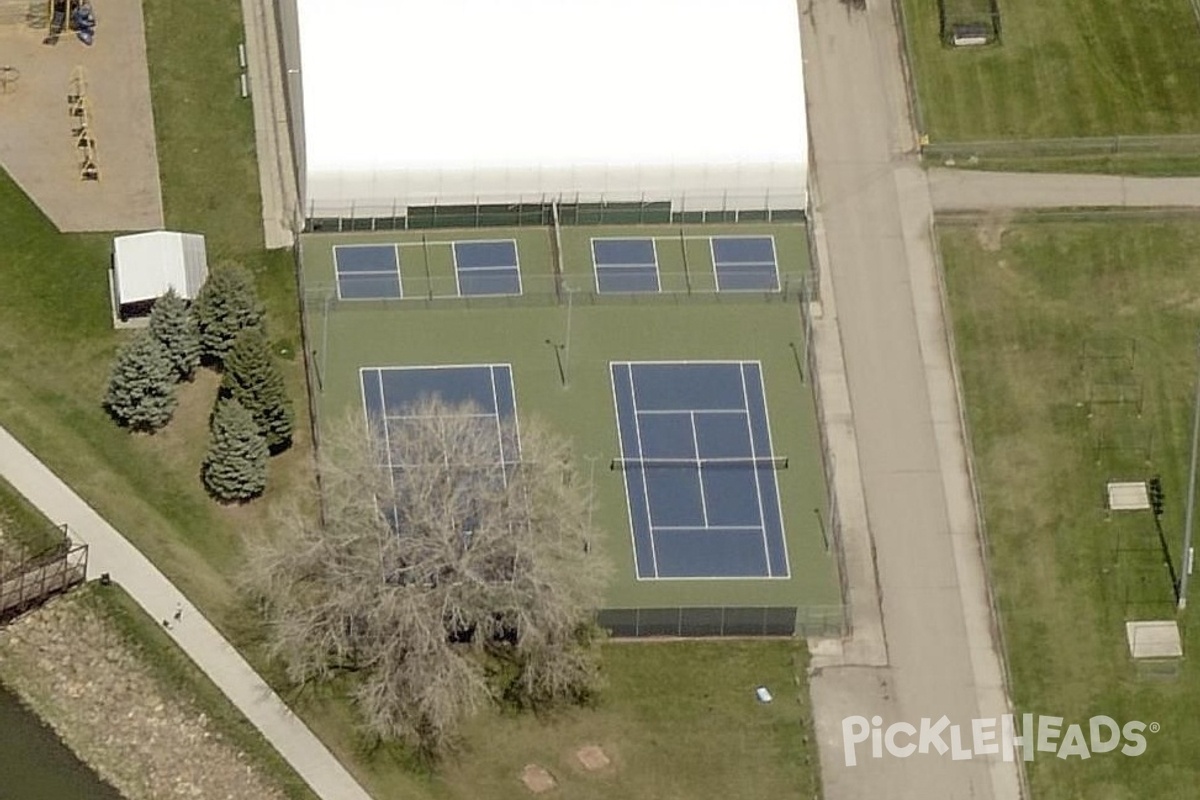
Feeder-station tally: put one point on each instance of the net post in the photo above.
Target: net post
(556, 247)
(687, 273)
(428, 276)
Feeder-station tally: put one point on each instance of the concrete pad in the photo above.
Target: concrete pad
(1154, 639)
(1128, 496)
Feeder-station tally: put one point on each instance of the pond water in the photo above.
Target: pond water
(35, 765)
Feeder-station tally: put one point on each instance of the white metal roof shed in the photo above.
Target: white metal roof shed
(146, 265)
(413, 102)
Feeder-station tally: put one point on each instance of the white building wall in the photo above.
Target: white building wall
(413, 103)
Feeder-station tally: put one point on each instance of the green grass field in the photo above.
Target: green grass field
(678, 719)
(1046, 316)
(1065, 68)
(355, 334)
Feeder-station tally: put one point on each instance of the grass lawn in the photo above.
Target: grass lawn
(1050, 320)
(678, 720)
(24, 525)
(1064, 68)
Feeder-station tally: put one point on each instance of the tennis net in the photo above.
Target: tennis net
(777, 462)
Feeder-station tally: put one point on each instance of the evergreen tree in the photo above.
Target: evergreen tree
(175, 328)
(253, 379)
(235, 467)
(141, 388)
(227, 305)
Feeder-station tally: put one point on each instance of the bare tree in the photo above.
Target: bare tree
(446, 584)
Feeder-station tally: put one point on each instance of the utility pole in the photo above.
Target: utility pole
(1186, 570)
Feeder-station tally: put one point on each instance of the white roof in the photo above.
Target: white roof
(416, 101)
(146, 265)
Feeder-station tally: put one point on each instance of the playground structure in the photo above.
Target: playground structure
(74, 15)
(81, 111)
(57, 16)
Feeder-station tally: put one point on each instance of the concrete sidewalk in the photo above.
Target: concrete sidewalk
(971, 190)
(109, 551)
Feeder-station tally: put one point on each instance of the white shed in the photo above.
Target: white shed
(146, 265)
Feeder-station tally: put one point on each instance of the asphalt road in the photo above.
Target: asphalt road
(876, 213)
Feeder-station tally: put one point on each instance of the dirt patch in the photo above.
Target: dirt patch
(990, 232)
(593, 758)
(537, 779)
(183, 442)
(72, 666)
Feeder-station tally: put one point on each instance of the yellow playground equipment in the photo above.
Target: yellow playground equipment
(73, 15)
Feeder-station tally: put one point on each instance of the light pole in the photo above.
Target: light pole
(567, 347)
(1186, 570)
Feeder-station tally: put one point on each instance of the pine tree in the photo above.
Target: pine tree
(174, 326)
(253, 379)
(228, 304)
(141, 388)
(235, 467)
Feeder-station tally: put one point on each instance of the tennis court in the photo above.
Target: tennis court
(368, 271)
(558, 342)
(484, 391)
(739, 263)
(700, 471)
(487, 268)
(626, 265)
(481, 268)
(745, 263)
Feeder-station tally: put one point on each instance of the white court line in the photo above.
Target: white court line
(699, 468)
(387, 444)
(399, 273)
(512, 386)
(762, 520)
(637, 572)
(499, 430)
(787, 564)
(642, 453)
(774, 264)
(657, 268)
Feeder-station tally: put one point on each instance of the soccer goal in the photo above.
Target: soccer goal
(967, 23)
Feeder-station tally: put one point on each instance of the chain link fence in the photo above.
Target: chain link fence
(831, 528)
(540, 213)
(721, 621)
(1175, 146)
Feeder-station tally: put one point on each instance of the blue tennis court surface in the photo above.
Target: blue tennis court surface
(391, 393)
(367, 271)
(699, 470)
(625, 265)
(487, 267)
(745, 263)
